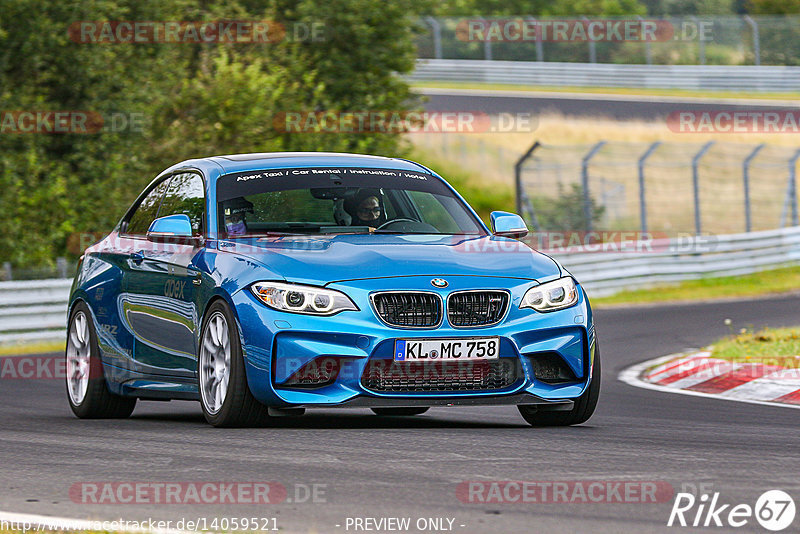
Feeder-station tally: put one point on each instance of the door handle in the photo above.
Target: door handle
(197, 277)
(137, 257)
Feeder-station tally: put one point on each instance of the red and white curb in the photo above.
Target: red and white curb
(697, 373)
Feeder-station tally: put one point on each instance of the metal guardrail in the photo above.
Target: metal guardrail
(699, 77)
(686, 40)
(672, 260)
(36, 310)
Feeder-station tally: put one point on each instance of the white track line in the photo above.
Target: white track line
(631, 377)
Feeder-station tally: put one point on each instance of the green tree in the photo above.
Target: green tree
(780, 33)
(196, 100)
(774, 7)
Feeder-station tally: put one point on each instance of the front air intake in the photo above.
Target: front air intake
(387, 376)
(551, 368)
(476, 308)
(408, 309)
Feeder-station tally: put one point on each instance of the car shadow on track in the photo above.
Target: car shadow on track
(341, 421)
(314, 421)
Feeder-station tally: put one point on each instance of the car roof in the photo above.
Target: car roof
(274, 160)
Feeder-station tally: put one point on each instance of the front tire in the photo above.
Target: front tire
(399, 411)
(87, 390)
(224, 394)
(580, 412)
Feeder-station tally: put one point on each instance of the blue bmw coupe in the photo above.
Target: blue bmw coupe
(265, 284)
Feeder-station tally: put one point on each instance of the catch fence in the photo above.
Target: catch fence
(661, 187)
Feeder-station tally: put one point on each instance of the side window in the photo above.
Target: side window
(146, 211)
(185, 195)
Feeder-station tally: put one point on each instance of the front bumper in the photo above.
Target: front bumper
(518, 399)
(277, 344)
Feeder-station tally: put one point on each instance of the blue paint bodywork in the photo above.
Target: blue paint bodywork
(148, 301)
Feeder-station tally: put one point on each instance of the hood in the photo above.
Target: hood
(320, 260)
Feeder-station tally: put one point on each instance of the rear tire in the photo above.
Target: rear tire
(399, 411)
(224, 394)
(580, 412)
(87, 390)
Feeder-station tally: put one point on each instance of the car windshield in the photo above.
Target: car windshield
(339, 200)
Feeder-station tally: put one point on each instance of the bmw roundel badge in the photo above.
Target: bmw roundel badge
(439, 282)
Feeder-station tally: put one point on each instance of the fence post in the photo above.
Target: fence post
(701, 45)
(756, 38)
(592, 44)
(648, 53)
(518, 183)
(587, 199)
(539, 47)
(61, 267)
(698, 227)
(748, 227)
(793, 186)
(487, 47)
(9, 272)
(437, 36)
(642, 202)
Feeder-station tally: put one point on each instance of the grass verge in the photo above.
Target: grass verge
(685, 93)
(768, 346)
(31, 348)
(763, 283)
(485, 197)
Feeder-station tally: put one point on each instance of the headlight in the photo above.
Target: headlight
(297, 298)
(555, 295)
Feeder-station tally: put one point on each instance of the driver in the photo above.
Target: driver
(366, 208)
(235, 211)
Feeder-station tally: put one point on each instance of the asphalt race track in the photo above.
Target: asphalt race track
(394, 467)
(614, 106)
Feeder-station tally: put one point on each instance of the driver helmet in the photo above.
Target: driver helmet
(235, 211)
(366, 208)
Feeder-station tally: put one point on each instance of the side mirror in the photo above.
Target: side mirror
(508, 224)
(172, 229)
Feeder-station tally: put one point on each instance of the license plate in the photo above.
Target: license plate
(482, 348)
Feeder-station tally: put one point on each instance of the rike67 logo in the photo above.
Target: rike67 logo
(774, 510)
